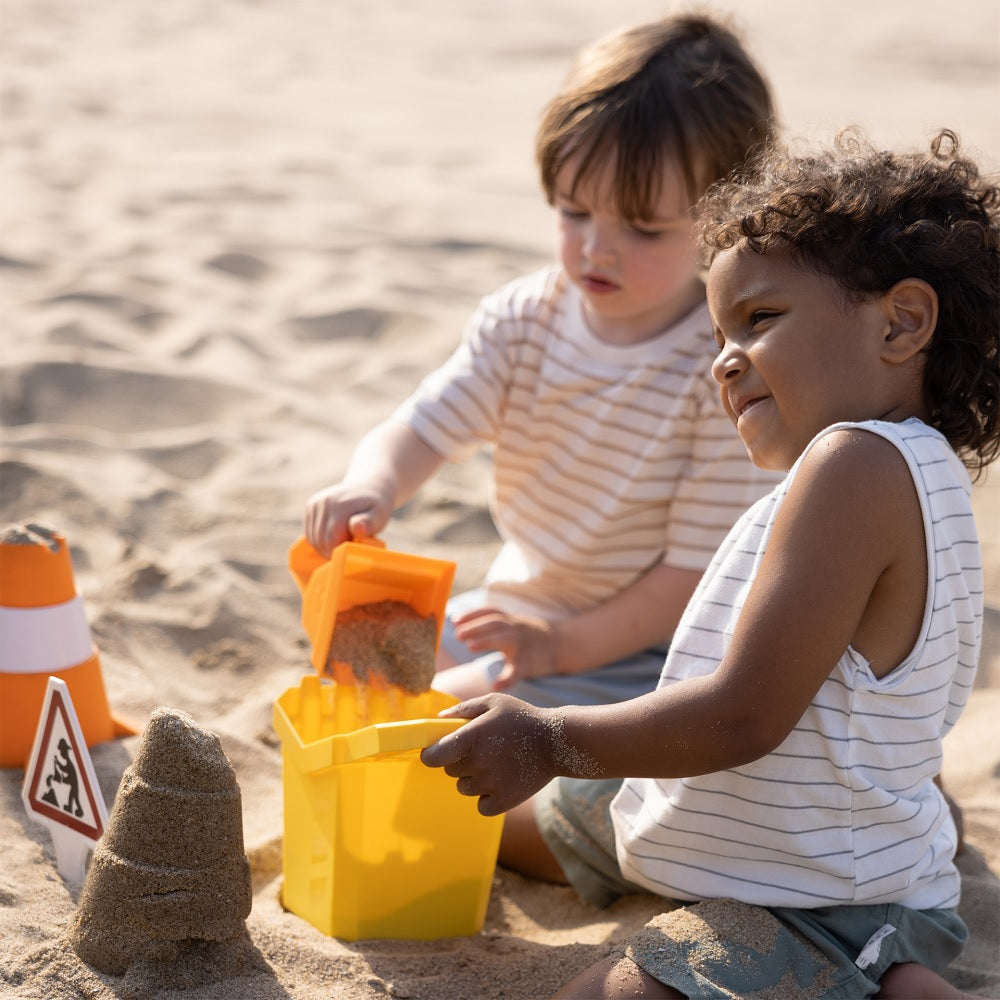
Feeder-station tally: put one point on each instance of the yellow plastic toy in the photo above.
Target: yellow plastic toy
(376, 844)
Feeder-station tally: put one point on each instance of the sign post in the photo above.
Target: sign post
(60, 788)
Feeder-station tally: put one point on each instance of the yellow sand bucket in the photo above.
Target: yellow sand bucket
(377, 845)
(44, 632)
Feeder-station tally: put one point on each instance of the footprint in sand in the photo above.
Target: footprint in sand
(113, 399)
(361, 323)
(245, 266)
(139, 314)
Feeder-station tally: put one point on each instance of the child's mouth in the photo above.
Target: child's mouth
(745, 405)
(598, 285)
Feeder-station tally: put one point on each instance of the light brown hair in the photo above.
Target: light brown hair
(679, 91)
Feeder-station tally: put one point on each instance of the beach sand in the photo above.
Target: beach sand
(232, 237)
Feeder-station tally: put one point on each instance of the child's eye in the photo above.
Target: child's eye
(761, 315)
(574, 214)
(646, 233)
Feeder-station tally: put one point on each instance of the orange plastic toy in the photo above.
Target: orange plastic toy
(363, 573)
(45, 633)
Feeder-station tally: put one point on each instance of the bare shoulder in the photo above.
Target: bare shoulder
(853, 487)
(855, 444)
(843, 566)
(854, 515)
(852, 512)
(856, 466)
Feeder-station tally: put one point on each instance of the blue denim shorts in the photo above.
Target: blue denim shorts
(726, 948)
(622, 680)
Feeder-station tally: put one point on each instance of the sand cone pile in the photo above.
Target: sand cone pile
(169, 879)
(43, 632)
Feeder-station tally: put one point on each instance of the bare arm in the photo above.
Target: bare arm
(845, 564)
(387, 467)
(644, 614)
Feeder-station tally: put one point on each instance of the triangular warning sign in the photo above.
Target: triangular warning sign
(60, 786)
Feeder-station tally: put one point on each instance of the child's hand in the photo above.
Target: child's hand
(504, 755)
(530, 645)
(342, 512)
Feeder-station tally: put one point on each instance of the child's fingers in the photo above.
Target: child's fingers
(441, 754)
(507, 677)
(484, 636)
(360, 526)
(454, 747)
(464, 710)
(476, 615)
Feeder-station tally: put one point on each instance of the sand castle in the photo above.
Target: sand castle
(169, 882)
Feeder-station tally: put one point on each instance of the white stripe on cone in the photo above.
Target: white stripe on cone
(38, 640)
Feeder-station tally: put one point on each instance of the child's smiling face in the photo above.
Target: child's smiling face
(795, 356)
(637, 276)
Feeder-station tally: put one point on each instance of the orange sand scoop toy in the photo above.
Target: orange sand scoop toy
(43, 632)
(374, 618)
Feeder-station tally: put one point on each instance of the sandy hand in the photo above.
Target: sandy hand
(504, 754)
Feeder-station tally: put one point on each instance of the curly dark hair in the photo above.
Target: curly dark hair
(868, 219)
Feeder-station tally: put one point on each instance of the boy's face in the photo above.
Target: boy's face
(636, 276)
(794, 356)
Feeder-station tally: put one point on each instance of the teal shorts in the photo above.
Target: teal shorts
(725, 948)
(622, 680)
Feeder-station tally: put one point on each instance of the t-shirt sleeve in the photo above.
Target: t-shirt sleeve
(457, 408)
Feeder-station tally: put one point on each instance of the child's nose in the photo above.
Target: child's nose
(730, 363)
(598, 243)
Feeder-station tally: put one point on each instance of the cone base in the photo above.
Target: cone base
(21, 697)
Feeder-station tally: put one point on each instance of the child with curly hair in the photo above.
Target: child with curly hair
(779, 784)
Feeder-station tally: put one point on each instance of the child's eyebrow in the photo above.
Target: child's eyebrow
(752, 294)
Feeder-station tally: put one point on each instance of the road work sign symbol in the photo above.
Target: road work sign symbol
(60, 787)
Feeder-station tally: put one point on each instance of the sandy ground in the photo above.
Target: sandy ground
(232, 237)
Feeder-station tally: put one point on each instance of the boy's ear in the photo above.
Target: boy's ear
(911, 307)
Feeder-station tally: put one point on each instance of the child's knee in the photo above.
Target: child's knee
(910, 981)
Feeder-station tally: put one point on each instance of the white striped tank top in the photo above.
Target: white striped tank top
(845, 809)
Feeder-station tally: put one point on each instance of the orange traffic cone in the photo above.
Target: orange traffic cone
(45, 633)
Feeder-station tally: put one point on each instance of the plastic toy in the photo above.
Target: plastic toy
(376, 844)
(44, 630)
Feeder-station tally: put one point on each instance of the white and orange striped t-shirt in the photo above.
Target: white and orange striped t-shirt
(607, 459)
(845, 809)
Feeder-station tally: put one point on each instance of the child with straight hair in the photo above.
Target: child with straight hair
(616, 470)
(779, 784)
